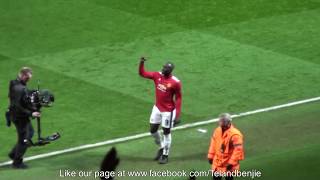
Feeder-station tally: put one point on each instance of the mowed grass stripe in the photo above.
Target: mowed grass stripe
(202, 14)
(54, 26)
(302, 26)
(69, 25)
(295, 35)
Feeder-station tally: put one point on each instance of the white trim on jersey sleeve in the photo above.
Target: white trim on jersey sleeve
(175, 78)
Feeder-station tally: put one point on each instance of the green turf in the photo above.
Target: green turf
(231, 56)
(77, 114)
(275, 143)
(221, 81)
(297, 32)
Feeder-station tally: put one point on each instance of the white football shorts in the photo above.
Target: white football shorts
(166, 119)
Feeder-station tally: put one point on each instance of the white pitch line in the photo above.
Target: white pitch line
(138, 136)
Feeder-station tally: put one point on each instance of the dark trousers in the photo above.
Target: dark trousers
(219, 178)
(25, 132)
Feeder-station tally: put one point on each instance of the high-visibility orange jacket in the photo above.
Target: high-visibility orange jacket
(226, 148)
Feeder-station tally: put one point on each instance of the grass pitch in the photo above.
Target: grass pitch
(231, 56)
(273, 146)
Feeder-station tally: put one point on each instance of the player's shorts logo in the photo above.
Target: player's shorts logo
(167, 122)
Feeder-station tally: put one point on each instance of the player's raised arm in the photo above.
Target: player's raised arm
(142, 72)
(178, 101)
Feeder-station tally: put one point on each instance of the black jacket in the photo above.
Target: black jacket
(18, 94)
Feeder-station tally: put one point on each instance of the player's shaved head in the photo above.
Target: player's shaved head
(167, 69)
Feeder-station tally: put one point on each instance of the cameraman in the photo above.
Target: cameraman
(20, 115)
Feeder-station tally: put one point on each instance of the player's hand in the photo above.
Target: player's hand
(210, 161)
(229, 167)
(176, 122)
(36, 114)
(143, 59)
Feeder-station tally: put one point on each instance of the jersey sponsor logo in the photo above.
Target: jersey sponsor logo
(162, 87)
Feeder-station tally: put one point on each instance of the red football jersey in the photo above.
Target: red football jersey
(168, 90)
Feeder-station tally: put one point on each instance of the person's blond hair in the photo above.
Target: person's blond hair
(25, 71)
